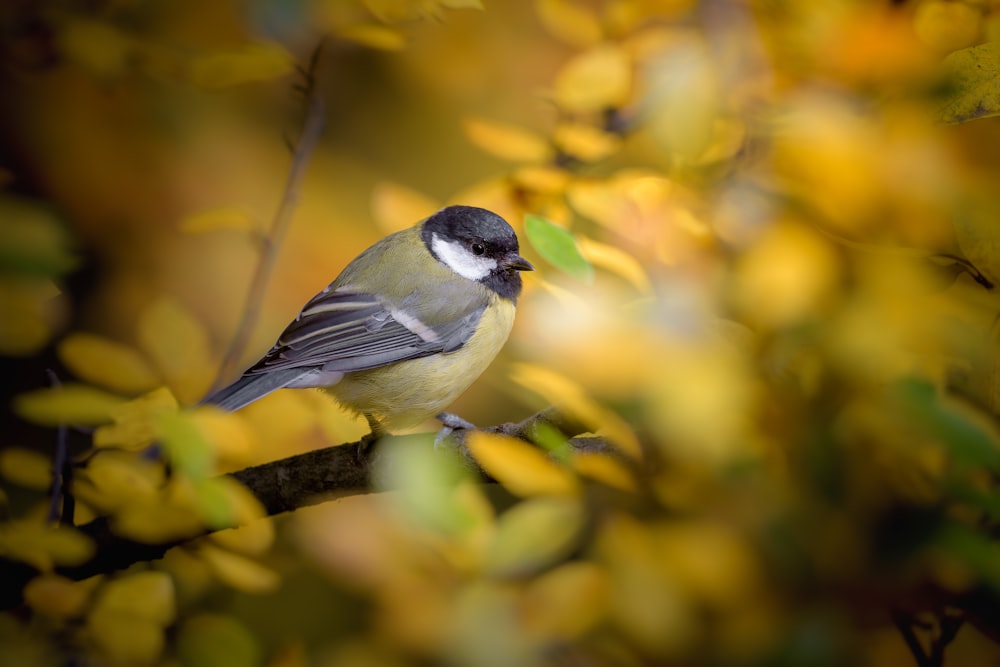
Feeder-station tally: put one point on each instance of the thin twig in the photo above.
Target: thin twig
(312, 128)
(942, 631)
(948, 626)
(61, 505)
(904, 622)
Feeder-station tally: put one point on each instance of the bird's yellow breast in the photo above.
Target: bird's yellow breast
(406, 393)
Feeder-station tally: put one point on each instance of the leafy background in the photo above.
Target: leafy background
(765, 233)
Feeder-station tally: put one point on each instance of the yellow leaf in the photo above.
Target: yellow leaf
(136, 423)
(595, 80)
(947, 26)
(570, 397)
(397, 207)
(786, 276)
(973, 91)
(541, 178)
(192, 576)
(683, 96)
(178, 346)
(711, 560)
(228, 433)
(585, 142)
(172, 514)
(208, 640)
(223, 217)
(75, 404)
(391, 11)
(637, 204)
(123, 639)
(43, 546)
(568, 21)
(224, 502)
(494, 194)
(824, 152)
(106, 363)
(617, 261)
(507, 141)
(534, 534)
(253, 538)
(604, 469)
(57, 596)
(239, 571)
(648, 603)
(26, 468)
(523, 469)
(27, 312)
(115, 479)
(148, 595)
(158, 522)
(566, 602)
(374, 35)
(252, 62)
(96, 46)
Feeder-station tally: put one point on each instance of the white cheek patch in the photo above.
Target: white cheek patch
(460, 260)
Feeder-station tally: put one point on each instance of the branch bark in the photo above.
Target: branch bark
(281, 486)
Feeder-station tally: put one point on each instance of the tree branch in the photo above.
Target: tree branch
(281, 486)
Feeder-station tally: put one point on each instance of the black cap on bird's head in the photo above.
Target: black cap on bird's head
(479, 245)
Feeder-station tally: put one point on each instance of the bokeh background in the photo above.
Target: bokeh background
(777, 303)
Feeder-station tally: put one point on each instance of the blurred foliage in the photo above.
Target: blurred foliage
(767, 250)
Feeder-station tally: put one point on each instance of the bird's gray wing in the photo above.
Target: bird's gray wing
(343, 330)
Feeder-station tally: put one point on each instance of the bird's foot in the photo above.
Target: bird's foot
(368, 441)
(449, 424)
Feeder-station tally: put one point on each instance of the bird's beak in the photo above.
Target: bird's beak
(516, 262)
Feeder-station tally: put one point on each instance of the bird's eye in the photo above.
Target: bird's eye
(478, 248)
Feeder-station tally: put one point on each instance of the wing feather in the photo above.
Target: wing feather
(344, 330)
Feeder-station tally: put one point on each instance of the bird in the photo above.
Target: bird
(405, 328)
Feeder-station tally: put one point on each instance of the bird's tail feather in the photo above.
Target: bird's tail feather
(249, 388)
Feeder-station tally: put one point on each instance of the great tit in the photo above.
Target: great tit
(407, 326)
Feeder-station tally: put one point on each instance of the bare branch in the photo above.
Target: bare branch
(312, 128)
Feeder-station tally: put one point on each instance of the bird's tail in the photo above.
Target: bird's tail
(250, 387)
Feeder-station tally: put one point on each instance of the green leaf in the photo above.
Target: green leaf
(970, 442)
(185, 445)
(213, 639)
(558, 247)
(973, 84)
(977, 550)
(33, 241)
(534, 535)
